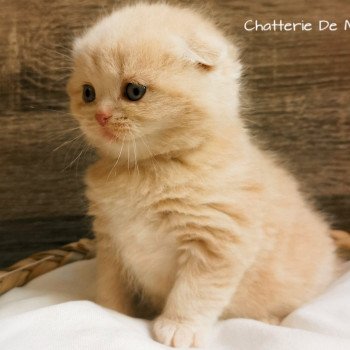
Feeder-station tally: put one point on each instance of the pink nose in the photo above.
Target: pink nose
(102, 118)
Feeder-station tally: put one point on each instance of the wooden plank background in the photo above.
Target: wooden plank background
(297, 85)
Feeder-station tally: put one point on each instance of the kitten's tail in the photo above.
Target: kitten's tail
(342, 241)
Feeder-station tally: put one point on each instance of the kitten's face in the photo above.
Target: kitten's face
(151, 92)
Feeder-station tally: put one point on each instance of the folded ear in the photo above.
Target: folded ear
(205, 52)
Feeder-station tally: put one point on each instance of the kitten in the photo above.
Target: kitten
(188, 213)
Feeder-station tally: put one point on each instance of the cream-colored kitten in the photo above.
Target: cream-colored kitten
(193, 222)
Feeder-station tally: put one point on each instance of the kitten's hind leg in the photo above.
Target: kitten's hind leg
(273, 320)
(112, 285)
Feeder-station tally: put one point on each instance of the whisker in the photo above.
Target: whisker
(61, 79)
(85, 149)
(59, 133)
(134, 146)
(65, 113)
(68, 130)
(151, 154)
(128, 159)
(81, 146)
(58, 53)
(68, 142)
(53, 135)
(116, 163)
(72, 162)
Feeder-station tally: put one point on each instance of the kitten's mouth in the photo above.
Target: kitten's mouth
(116, 134)
(108, 134)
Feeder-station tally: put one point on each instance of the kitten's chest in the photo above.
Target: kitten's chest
(147, 250)
(150, 256)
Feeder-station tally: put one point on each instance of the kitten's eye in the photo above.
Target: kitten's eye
(134, 92)
(89, 94)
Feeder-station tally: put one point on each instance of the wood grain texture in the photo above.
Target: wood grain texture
(296, 86)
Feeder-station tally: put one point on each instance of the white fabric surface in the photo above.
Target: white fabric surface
(55, 311)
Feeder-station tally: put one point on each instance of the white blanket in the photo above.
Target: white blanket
(56, 311)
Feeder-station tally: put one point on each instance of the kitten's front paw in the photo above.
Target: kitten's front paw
(178, 334)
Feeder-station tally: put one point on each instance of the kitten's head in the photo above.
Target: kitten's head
(152, 79)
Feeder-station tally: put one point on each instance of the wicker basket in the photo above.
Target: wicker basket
(25, 270)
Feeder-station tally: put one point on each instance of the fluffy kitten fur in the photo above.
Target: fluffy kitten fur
(193, 222)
